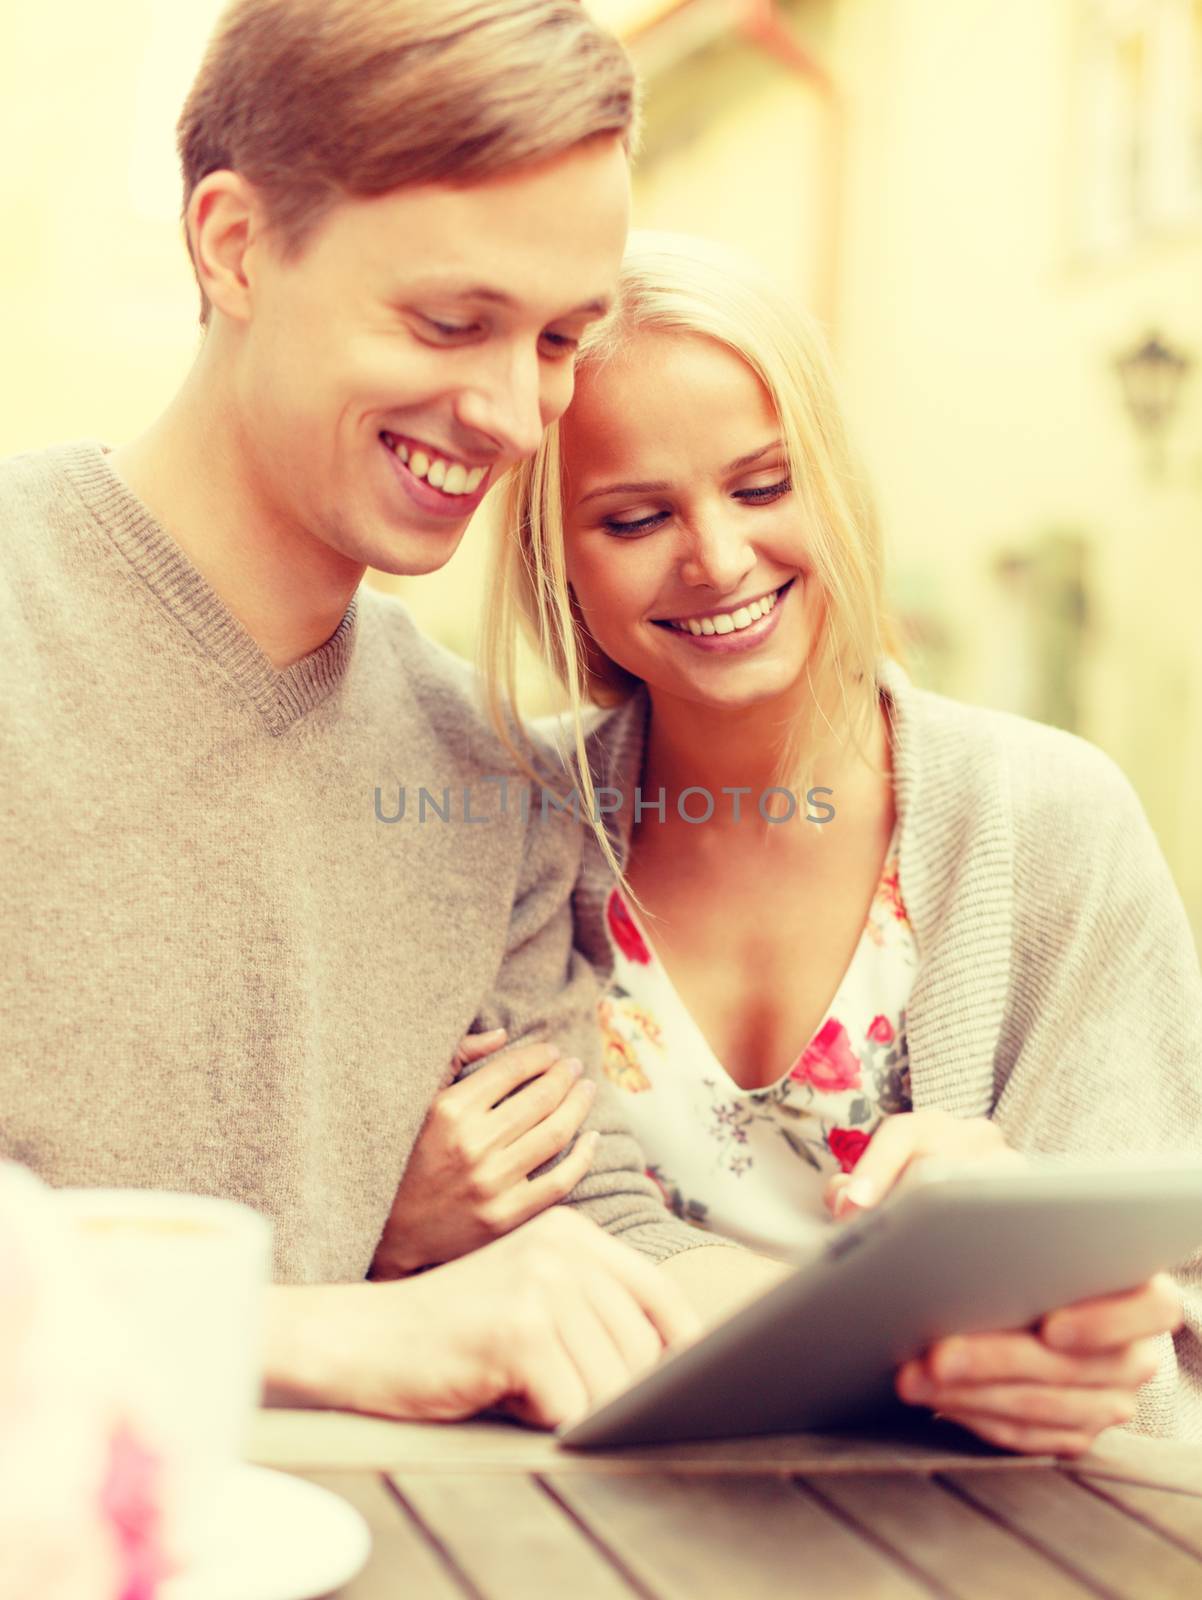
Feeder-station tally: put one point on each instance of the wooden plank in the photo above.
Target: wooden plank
(301, 1441)
(1177, 1515)
(948, 1542)
(402, 1563)
(509, 1537)
(686, 1537)
(1134, 1458)
(1092, 1536)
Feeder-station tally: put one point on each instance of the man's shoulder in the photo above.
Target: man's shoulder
(33, 484)
(445, 688)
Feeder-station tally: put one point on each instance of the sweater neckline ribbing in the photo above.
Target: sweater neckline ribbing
(280, 698)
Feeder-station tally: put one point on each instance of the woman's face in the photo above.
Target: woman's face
(685, 544)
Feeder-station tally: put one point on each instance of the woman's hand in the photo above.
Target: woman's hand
(468, 1178)
(1051, 1390)
(903, 1141)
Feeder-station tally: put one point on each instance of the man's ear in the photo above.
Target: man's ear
(225, 218)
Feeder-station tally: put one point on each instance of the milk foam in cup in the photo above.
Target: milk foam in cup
(186, 1276)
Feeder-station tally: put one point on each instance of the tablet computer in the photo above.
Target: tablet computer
(951, 1252)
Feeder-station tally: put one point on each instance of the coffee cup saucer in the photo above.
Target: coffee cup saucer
(275, 1537)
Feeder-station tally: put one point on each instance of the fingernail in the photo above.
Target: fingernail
(575, 1067)
(859, 1192)
(589, 1087)
(952, 1362)
(914, 1385)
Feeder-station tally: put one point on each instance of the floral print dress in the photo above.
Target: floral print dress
(752, 1163)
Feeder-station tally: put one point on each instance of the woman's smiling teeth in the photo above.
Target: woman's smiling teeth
(728, 621)
(452, 477)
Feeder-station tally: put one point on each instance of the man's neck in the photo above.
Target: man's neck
(287, 589)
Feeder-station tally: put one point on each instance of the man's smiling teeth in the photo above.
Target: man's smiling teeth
(452, 477)
(729, 621)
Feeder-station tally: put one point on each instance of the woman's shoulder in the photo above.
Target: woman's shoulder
(1042, 772)
(609, 732)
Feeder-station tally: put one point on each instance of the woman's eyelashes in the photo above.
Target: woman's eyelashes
(760, 495)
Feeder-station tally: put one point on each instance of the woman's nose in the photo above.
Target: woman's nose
(719, 556)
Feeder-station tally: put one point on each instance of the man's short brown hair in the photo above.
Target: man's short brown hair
(314, 101)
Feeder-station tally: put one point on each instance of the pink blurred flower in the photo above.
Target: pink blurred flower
(828, 1061)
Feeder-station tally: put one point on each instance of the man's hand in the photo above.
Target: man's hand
(468, 1178)
(546, 1322)
(1052, 1390)
(901, 1143)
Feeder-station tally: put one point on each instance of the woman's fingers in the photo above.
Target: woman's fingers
(1116, 1320)
(473, 1047)
(1024, 1438)
(554, 1133)
(908, 1137)
(534, 1104)
(1038, 1405)
(482, 1089)
(527, 1199)
(1022, 1357)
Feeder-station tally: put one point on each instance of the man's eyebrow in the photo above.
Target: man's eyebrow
(653, 488)
(498, 297)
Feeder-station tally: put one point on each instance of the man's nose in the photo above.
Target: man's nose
(507, 405)
(719, 554)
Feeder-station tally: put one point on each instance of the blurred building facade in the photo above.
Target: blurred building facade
(988, 205)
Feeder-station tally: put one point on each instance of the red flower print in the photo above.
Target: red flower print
(828, 1061)
(889, 894)
(847, 1145)
(881, 1029)
(626, 936)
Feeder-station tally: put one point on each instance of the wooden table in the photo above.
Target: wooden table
(483, 1511)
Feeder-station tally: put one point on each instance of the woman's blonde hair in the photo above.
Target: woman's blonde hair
(678, 284)
(315, 101)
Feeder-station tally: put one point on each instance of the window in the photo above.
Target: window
(1139, 120)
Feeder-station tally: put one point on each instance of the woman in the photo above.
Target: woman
(859, 923)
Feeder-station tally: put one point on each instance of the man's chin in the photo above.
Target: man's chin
(413, 554)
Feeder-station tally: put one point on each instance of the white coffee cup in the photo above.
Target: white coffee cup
(186, 1276)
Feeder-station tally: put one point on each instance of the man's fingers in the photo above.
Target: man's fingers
(554, 1132)
(550, 1390)
(501, 1075)
(1105, 1324)
(637, 1341)
(590, 1346)
(661, 1300)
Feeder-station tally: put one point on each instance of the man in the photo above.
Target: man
(225, 974)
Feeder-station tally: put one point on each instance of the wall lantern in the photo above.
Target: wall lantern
(1151, 376)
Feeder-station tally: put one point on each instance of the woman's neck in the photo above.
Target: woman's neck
(690, 746)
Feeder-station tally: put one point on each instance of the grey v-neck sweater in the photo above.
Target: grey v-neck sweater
(1058, 988)
(223, 972)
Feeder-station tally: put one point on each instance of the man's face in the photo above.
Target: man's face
(417, 347)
